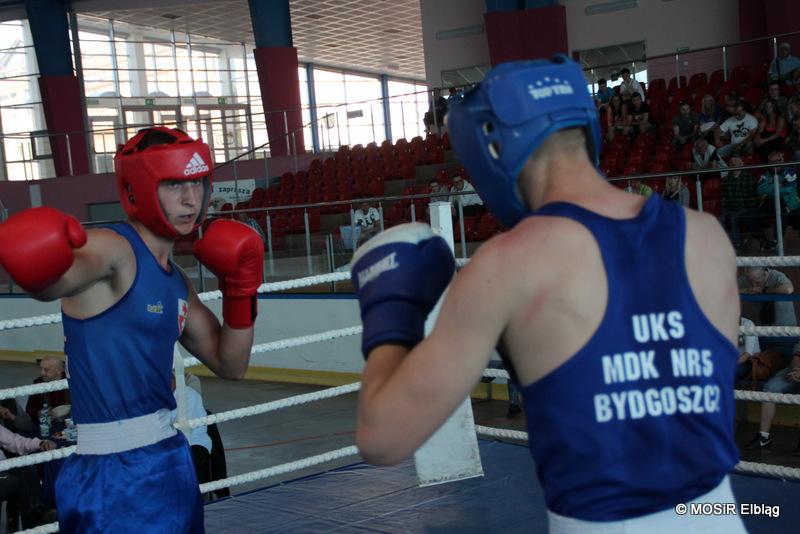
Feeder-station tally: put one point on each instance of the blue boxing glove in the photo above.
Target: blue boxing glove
(399, 276)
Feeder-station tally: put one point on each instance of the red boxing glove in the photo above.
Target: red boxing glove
(234, 252)
(36, 246)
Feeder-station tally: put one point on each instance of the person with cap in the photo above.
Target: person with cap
(783, 65)
(619, 316)
(124, 305)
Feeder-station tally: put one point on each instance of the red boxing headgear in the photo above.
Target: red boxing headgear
(141, 166)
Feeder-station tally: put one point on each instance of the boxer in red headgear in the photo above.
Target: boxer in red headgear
(124, 305)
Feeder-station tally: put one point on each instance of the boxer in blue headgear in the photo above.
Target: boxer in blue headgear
(509, 115)
(618, 314)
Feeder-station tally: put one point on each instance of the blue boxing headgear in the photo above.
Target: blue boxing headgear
(500, 123)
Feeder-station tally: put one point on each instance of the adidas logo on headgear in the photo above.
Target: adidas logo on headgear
(196, 165)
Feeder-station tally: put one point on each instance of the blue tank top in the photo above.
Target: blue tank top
(119, 362)
(640, 418)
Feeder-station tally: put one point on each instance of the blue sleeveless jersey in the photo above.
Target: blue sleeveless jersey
(119, 362)
(641, 418)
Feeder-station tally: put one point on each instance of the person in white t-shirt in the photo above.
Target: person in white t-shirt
(741, 128)
(368, 219)
(199, 440)
(471, 203)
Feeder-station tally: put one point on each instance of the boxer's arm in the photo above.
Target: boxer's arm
(103, 253)
(224, 350)
(406, 395)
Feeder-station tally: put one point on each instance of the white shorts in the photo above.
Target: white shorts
(660, 522)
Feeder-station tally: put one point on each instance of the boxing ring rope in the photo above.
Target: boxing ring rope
(745, 467)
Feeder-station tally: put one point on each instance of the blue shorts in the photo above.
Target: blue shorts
(151, 489)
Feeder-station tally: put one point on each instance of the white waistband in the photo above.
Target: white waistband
(124, 435)
(660, 522)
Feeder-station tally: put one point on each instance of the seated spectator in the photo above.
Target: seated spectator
(705, 156)
(51, 369)
(617, 118)
(471, 204)
(198, 437)
(21, 484)
(748, 347)
(639, 115)
(629, 87)
(793, 123)
(638, 187)
(435, 187)
(245, 218)
(368, 219)
(774, 94)
(685, 126)
(765, 281)
(740, 129)
(440, 109)
(794, 78)
(786, 178)
(675, 190)
(786, 380)
(771, 131)
(781, 67)
(604, 94)
(738, 203)
(709, 118)
(730, 101)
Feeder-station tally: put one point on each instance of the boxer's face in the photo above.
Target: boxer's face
(181, 201)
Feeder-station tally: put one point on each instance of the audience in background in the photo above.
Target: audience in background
(628, 86)
(738, 202)
(685, 126)
(676, 190)
(739, 131)
(709, 118)
(470, 202)
(771, 130)
(782, 67)
(617, 118)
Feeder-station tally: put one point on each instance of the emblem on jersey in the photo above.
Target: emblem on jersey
(183, 311)
(156, 308)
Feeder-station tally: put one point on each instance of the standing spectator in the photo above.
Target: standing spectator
(709, 118)
(21, 484)
(617, 118)
(782, 66)
(741, 128)
(676, 190)
(604, 94)
(786, 380)
(738, 202)
(199, 440)
(437, 109)
(786, 177)
(639, 115)
(771, 130)
(774, 94)
(684, 126)
(367, 218)
(50, 370)
(471, 203)
(765, 281)
(454, 95)
(629, 87)
(705, 156)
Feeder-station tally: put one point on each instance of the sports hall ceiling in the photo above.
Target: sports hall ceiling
(382, 36)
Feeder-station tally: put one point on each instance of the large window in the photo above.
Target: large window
(408, 102)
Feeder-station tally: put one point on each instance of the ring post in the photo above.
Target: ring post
(452, 452)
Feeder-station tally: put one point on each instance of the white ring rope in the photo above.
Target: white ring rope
(775, 471)
(274, 405)
(768, 261)
(37, 458)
